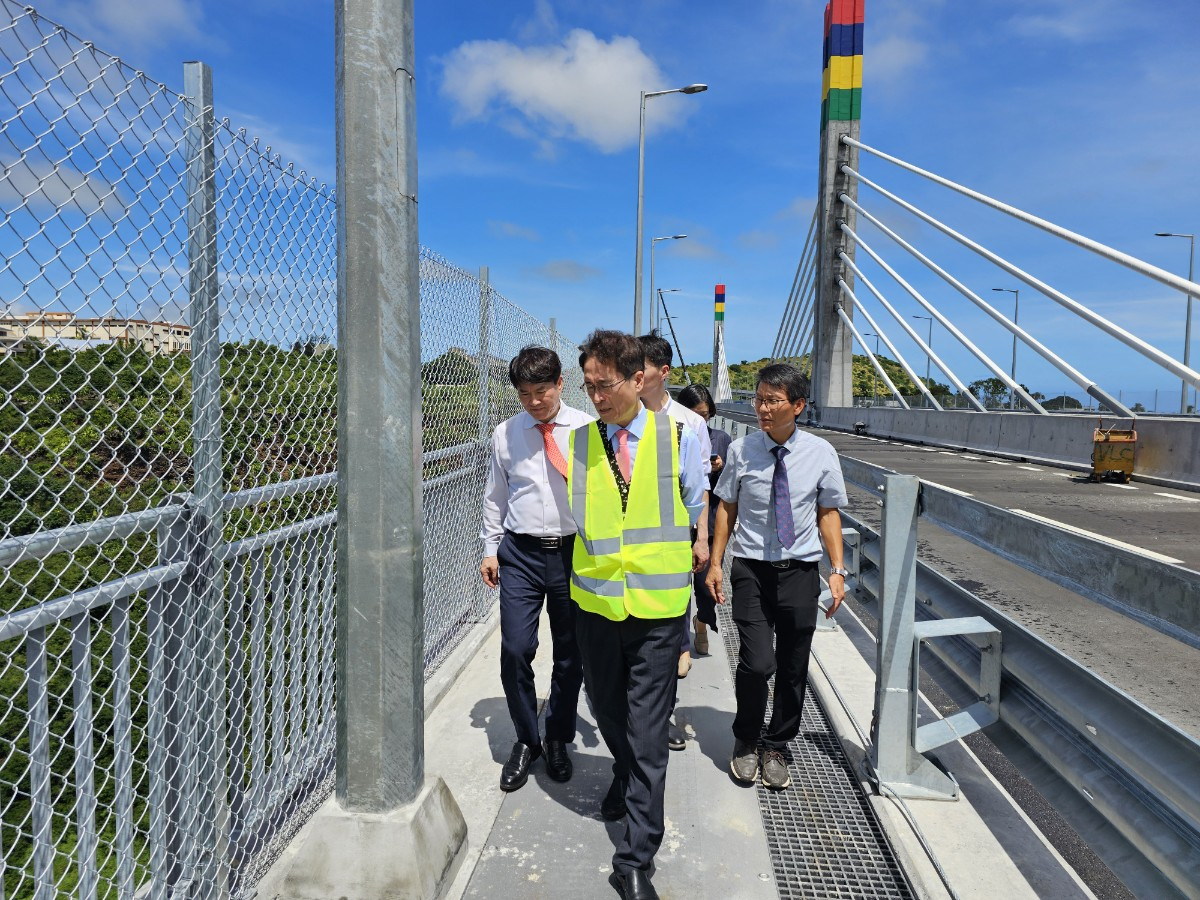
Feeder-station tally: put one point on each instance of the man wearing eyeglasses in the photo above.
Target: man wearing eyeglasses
(636, 486)
(779, 495)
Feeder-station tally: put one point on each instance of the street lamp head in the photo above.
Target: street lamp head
(694, 89)
(676, 237)
(1164, 234)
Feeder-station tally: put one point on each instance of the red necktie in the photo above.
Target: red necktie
(623, 453)
(552, 452)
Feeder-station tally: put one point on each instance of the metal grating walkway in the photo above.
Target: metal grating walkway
(822, 834)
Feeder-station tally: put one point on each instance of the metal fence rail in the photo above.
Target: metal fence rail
(167, 483)
(1132, 768)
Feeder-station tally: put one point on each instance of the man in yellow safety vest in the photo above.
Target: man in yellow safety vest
(636, 485)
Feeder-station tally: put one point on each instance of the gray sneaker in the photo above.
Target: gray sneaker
(744, 762)
(775, 771)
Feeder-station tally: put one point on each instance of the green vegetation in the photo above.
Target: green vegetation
(97, 433)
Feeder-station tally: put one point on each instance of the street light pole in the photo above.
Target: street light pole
(637, 283)
(1187, 327)
(653, 305)
(1012, 373)
(929, 348)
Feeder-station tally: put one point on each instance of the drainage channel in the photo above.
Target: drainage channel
(822, 834)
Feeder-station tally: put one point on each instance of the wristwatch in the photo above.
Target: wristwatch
(838, 570)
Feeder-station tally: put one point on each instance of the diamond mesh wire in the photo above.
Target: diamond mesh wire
(167, 479)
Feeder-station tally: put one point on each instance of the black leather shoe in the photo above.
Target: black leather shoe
(612, 807)
(516, 771)
(558, 763)
(633, 885)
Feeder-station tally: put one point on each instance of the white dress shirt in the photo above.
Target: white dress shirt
(524, 493)
(694, 423)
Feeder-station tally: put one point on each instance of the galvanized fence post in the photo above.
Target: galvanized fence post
(897, 765)
(207, 596)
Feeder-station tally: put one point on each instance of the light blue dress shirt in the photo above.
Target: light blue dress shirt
(814, 479)
(691, 473)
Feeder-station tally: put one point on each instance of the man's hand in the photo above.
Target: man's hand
(715, 581)
(837, 589)
(699, 554)
(717, 463)
(490, 570)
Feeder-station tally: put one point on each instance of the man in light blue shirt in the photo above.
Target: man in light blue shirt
(779, 492)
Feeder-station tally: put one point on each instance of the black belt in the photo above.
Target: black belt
(541, 542)
(784, 563)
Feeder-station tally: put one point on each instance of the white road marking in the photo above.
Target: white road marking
(1124, 487)
(1030, 468)
(950, 453)
(964, 456)
(1177, 497)
(932, 450)
(1099, 537)
(997, 462)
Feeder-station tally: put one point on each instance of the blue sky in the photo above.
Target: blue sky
(1085, 113)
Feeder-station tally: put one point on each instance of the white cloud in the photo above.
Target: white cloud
(758, 240)
(512, 230)
(566, 270)
(128, 23)
(800, 208)
(893, 57)
(1070, 20)
(694, 249)
(47, 186)
(583, 89)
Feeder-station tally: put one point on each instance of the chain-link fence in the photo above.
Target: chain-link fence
(168, 356)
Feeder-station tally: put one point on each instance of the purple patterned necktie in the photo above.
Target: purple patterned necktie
(781, 499)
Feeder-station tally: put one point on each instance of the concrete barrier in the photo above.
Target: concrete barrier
(1168, 450)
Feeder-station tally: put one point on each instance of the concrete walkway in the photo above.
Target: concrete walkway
(548, 840)
(537, 841)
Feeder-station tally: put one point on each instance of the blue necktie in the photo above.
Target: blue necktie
(781, 499)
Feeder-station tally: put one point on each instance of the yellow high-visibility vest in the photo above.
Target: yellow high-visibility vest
(637, 562)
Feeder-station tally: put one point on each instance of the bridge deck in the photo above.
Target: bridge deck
(822, 838)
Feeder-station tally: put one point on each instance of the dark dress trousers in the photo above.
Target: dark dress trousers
(630, 670)
(530, 571)
(769, 601)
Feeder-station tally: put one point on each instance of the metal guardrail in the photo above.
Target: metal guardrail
(1132, 767)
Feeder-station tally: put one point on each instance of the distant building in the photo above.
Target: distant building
(74, 332)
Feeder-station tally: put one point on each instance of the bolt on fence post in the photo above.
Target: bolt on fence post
(207, 596)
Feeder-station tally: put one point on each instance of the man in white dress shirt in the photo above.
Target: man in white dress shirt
(656, 398)
(528, 536)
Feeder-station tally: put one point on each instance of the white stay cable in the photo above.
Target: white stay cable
(933, 311)
(1124, 259)
(1130, 340)
(1033, 343)
(871, 356)
(789, 308)
(908, 370)
(805, 319)
(937, 360)
(800, 310)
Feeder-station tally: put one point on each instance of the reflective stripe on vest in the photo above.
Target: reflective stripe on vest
(638, 561)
